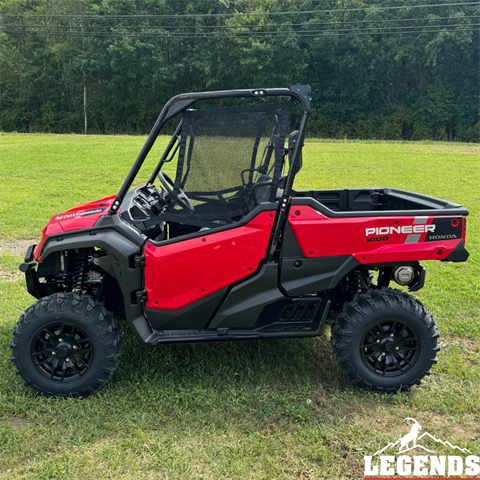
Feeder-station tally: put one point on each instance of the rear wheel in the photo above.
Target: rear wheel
(66, 344)
(385, 340)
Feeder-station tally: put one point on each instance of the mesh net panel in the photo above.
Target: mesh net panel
(230, 159)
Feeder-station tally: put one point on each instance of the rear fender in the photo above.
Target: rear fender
(374, 239)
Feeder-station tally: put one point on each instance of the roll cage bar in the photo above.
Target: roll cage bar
(182, 102)
(174, 144)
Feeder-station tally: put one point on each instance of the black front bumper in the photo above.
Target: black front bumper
(28, 267)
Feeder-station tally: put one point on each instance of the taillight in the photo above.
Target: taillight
(464, 232)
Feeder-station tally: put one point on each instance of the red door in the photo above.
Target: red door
(181, 273)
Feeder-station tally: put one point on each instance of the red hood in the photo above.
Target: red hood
(84, 215)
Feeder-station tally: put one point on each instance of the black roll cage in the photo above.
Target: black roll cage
(182, 102)
(173, 142)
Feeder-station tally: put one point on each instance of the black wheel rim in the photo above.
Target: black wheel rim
(62, 352)
(390, 348)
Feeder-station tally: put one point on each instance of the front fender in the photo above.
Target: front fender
(122, 243)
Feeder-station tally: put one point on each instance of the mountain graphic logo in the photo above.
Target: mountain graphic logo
(411, 439)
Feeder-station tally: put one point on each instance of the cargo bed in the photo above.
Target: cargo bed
(374, 202)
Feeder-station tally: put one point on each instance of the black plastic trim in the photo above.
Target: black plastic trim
(31, 279)
(271, 323)
(194, 336)
(245, 302)
(29, 255)
(421, 274)
(290, 245)
(277, 330)
(459, 254)
(301, 275)
(193, 316)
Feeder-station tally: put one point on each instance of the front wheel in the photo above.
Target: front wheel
(385, 340)
(66, 344)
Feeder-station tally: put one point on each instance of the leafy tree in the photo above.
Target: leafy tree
(394, 86)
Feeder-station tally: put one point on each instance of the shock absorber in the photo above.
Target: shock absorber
(357, 281)
(81, 261)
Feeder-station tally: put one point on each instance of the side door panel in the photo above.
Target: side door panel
(181, 273)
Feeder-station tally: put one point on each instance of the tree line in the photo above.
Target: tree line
(376, 71)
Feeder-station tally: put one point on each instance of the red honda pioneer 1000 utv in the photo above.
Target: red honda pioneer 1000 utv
(228, 250)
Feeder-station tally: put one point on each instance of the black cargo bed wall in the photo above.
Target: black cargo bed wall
(374, 200)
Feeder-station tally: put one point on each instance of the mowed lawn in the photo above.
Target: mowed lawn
(277, 409)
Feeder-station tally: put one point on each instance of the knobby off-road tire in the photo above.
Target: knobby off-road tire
(385, 340)
(66, 345)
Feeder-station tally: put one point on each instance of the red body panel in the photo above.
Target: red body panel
(321, 236)
(84, 215)
(179, 274)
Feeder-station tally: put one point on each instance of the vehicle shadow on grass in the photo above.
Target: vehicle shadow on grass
(265, 377)
(265, 360)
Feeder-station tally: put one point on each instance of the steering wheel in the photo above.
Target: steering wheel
(181, 198)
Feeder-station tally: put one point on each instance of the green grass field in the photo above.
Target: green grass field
(278, 409)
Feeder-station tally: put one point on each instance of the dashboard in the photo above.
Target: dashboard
(143, 204)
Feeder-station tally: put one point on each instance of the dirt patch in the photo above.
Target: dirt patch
(18, 247)
(468, 345)
(18, 423)
(440, 426)
(10, 276)
(468, 429)
(446, 150)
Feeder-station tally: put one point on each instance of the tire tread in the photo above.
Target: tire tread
(354, 312)
(94, 312)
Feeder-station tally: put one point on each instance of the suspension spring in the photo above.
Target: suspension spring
(357, 281)
(81, 262)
